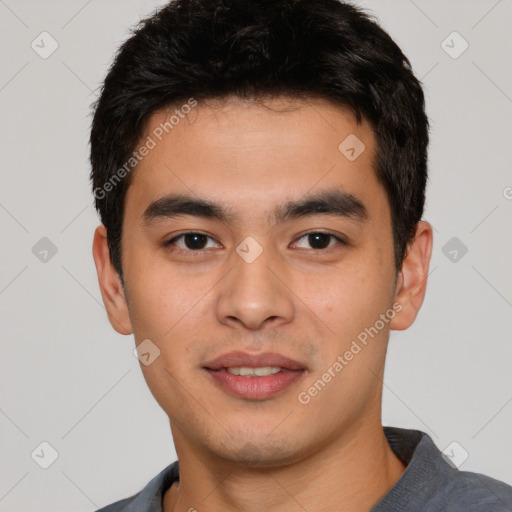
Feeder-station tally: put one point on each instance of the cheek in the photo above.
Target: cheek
(162, 297)
(348, 297)
(162, 310)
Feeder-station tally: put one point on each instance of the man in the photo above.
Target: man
(259, 168)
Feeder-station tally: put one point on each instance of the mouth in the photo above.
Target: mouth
(254, 377)
(246, 371)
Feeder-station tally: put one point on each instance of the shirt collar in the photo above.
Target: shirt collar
(426, 471)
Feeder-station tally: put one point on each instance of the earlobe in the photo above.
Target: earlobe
(412, 279)
(111, 288)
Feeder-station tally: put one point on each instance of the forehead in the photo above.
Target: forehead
(253, 155)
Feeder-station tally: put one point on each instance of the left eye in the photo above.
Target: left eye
(320, 240)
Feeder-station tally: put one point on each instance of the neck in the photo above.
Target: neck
(355, 470)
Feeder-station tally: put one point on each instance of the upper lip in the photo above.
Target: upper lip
(244, 359)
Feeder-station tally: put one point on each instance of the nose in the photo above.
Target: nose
(255, 294)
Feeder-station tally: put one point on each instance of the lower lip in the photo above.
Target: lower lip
(255, 388)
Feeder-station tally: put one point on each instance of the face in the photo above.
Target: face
(252, 239)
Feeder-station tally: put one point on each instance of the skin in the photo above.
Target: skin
(300, 301)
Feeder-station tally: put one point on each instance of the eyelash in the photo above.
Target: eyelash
(168, 243)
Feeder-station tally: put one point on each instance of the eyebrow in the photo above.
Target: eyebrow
(328, 202)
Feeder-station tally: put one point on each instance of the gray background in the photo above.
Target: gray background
(69, 379)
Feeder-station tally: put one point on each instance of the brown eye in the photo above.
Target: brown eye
(195, 241)
(191, 242)
(319, 240)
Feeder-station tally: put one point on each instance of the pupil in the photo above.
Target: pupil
(195, 241)
(319, 240)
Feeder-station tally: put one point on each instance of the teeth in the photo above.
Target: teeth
(245, 371)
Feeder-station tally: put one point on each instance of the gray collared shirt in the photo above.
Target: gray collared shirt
(429, 483)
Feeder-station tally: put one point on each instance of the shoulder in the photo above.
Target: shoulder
(149, 499)
(474, 492)
(431, 482)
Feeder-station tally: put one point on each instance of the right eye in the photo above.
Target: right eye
(190, 242)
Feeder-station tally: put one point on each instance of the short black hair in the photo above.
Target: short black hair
(214, 49)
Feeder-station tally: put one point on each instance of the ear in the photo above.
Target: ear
(110, 283)
(412, 279)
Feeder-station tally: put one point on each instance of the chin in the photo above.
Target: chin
(261, 453)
